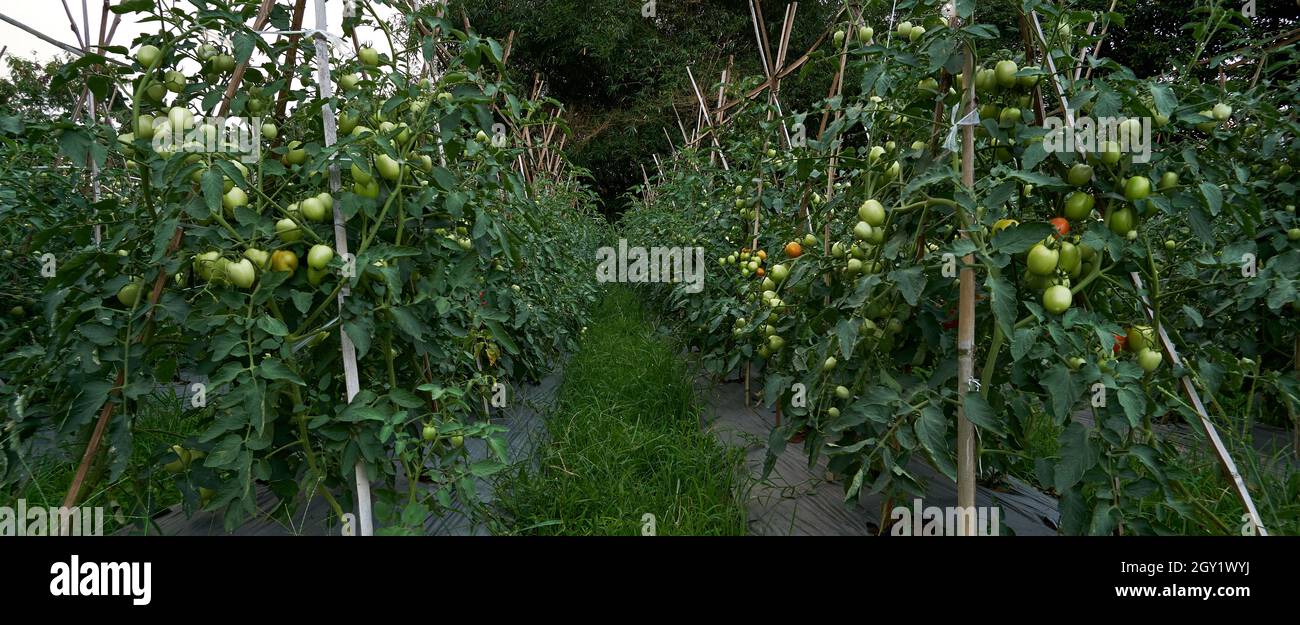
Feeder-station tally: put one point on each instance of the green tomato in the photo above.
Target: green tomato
(1009, 117)
(872, 212)
(174, 81)
(1137, 188)
(319, 256)
(1042, 260)
(148, 55)
(1121, 220)
(780, 273)
(1149, 360)
(1109, 153)
(234, 198)
(1069, 257)
(1140, 338)
(1005, 73)
(129, 294)
(241, 273)
(1057, 299)
(1078, 206)
(1079, 175)
(388, 167)
(313, 209)
(288, 231)
(258, 257)
(829, 364)
(368, 56)
(430, 433)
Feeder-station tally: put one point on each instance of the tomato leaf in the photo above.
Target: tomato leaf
(1002, 297)
(359, 331)
(1022, 341)
(1213, 197)
(846, 331)
(910, 283)
(981, 414)
(272, 326)
(1017, 239)
(501, 336)
(932, 431)
(1077, 456)
(226, 453)
(273, 369)
(1063, 390)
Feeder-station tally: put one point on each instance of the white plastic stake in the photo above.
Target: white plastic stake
(365, 524)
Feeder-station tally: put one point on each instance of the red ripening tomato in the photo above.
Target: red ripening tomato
(1062, 226)
(1121, 343)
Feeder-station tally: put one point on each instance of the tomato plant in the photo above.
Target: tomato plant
(439, 225)
(1055, 237)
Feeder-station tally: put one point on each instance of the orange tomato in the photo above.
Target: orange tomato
(762, 254)
(1062, 226)
(759, 273)
(793, 249)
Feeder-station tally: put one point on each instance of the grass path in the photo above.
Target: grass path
(625, 441)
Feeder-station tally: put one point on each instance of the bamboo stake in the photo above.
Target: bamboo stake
(263, 15)
(966, 320)
(351, 377)
(72, 22)
(291, 57)
(50, 40)
(1096, 50)
(704, 111)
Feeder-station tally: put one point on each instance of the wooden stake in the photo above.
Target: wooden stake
(966, 323)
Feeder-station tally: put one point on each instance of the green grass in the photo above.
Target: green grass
(625, 441)
(143, 488)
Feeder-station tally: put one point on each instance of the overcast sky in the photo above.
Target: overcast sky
(49, 17)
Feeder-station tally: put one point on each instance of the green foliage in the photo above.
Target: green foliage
(463, 276)
(884, 301)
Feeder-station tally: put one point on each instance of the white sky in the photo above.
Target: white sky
(49, 17)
